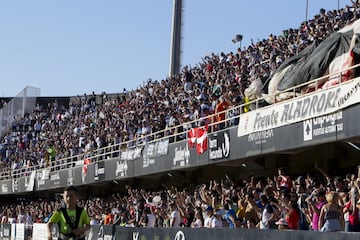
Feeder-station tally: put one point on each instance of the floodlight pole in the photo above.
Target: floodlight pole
(306, 10)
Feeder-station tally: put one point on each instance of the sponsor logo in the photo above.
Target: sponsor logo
(55, 178)
(182, 156)
(148, 161)
(99, 171)
(148, 155)
(41, 176)
(135, 235)
(121, 168)
(219, 146)
(162, 147)
(131, 154)
(153, 150)
(4, 188)
(260, 137)
(179, 236)
(323, 126)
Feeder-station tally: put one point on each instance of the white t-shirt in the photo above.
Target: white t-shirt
(151, 220)
(197, 224)
(208, 221)
(175, 217)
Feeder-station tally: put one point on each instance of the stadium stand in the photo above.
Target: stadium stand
(94, 128)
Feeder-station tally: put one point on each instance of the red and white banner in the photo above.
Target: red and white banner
(198, 137)
(319, 103)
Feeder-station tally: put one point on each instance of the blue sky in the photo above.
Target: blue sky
(72, 47)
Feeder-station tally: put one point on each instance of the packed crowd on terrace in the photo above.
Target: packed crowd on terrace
(50, 134)
(316, 202)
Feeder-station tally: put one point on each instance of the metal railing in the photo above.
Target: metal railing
(172, 133)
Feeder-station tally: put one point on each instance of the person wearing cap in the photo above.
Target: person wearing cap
(218, 221)
(209, 221)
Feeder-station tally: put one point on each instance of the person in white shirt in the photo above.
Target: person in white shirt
(217, 221)
(174, 216)
(148, 219)
(209, 218)
(198, 220)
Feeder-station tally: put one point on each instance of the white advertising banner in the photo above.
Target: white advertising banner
(18, 231)
(316, 104)
(40, 231)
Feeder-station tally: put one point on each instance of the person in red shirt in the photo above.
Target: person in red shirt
(353, 223)
(109, 218)
(220, 116)
(283, 180)
(292, 216)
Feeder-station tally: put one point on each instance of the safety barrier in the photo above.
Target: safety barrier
(112, 232)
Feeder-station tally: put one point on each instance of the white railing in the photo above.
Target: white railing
(170, 133)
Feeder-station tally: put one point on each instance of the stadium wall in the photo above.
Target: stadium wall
(39, 232)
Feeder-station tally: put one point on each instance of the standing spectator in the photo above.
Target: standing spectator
(28, 223)
(218, 221)
(252, 210)
(352, 211)
(220, 108)
(268, 214)
(198, 219)
(109, 218)
(292, 216)
(187, 79)
(283, 180)
(14, 123)
(315, 202)
(145, 131)
(51, 151)
(209, 218)
(174, 216)
(148, 219)
(230, 216)
(331, 217)
(302, 205)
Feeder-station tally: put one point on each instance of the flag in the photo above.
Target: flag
(84, 168)
(197, 137)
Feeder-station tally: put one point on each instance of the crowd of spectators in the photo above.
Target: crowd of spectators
(314, 202)
(53, 134)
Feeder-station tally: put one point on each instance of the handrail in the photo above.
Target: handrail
(115, 150)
